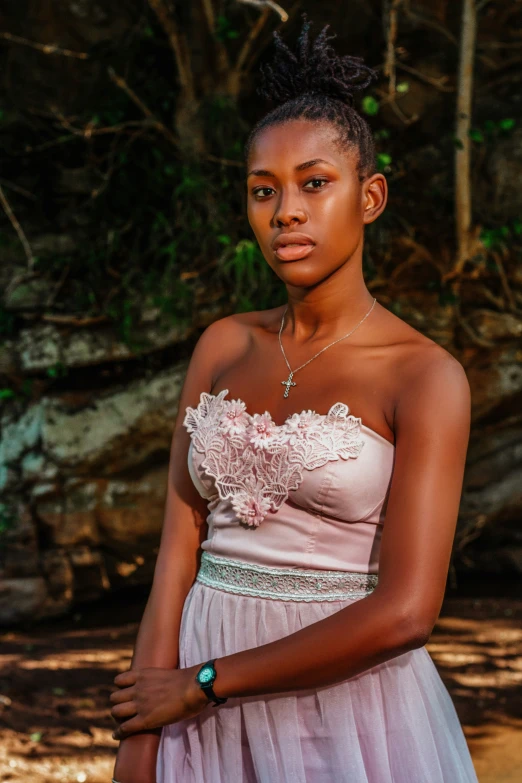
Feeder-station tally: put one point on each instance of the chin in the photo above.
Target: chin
(300, 278)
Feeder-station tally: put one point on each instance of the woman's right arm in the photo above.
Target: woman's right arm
(184, 528)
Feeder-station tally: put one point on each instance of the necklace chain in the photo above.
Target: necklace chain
(288, 383)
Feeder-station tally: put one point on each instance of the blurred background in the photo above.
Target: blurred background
(123, 235)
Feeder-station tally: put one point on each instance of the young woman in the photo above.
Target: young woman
(306, 543)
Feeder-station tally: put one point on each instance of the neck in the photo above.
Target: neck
(331, 308)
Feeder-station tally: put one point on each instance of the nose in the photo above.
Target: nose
(288, 212)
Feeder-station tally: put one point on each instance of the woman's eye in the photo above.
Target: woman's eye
(317, 183)
(263, 192)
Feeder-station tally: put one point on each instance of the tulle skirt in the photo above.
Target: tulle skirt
(394, 723)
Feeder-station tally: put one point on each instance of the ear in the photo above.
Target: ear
(374, 197)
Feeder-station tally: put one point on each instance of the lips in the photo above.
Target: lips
(293, 246)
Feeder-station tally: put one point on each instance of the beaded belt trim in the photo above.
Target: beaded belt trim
(283, 584)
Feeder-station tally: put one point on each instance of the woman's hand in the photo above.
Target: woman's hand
(154, 697)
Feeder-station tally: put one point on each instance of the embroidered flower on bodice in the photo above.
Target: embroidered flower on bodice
(254, 462)
(297, 423)
(235, 419)
(263, 431)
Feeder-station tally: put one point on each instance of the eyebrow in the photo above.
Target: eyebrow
(300, 167)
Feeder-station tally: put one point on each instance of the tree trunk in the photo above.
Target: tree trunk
(463, 203)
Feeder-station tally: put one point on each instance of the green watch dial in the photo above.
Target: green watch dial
(206, 675)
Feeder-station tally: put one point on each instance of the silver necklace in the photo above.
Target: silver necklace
(289, 382)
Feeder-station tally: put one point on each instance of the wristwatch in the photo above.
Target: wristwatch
(205, 678)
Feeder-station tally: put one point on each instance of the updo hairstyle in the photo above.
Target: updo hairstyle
(315, 83)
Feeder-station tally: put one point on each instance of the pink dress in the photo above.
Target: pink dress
(295, 520)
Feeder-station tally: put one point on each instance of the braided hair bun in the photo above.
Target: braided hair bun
(315, 67)
(316, 83)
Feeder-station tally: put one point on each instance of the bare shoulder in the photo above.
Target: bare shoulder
(427, 377)
(228, 338)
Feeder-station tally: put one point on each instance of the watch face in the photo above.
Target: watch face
(206, 675)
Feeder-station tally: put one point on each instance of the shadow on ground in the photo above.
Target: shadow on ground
(55, 680)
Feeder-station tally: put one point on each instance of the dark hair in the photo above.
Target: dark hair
(315, 83)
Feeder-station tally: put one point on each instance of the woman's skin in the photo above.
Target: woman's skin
(403, 385)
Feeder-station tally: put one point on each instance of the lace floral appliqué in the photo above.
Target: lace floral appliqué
(254, 462)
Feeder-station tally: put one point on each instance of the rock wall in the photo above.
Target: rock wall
(83, 473)
(83, 482)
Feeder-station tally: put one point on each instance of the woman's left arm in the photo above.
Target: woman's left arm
(432, 416)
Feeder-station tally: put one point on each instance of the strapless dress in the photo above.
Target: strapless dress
(295, 518)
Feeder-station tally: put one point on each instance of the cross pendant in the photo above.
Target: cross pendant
(288, 383)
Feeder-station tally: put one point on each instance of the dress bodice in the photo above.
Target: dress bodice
(309, 493)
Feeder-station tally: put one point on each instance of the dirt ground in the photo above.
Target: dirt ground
(55, 679)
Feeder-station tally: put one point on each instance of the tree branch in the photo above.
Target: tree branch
(178, 44)
(251, 37)
(45, 48)
(18, 228)
(391, 37)
(463, 206)
(122, 84)
(427, 22)
(208, 8)
(437, 83)
(267, 4)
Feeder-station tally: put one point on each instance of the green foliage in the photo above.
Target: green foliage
(382, 134)
(224, 30)
(58, 370)
(492, 130)
(7, 394)
(370, 105)
(384, 161)
(498, 237)
(254, 282)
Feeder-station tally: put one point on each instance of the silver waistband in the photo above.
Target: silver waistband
(283, 584)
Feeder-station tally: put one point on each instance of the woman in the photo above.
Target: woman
(304, 556)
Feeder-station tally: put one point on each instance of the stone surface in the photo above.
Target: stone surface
(133, 510)
(116, 431)
(85, 470)
(69, 512)
(505, 170)
(495, 378)
(21, 599)
(17, 436)
(59, 575)
(45, 345)
(18, 543)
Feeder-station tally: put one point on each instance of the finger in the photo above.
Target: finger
(124, 679)
(124, 710)
(129, 727)
(125, 694)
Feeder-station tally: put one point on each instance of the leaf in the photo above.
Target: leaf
(370, 105)
(383, 160)
(507, 124)
(36, 736)
(402, 87)
(476, 135)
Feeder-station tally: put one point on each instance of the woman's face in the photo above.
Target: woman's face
(306, 204)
